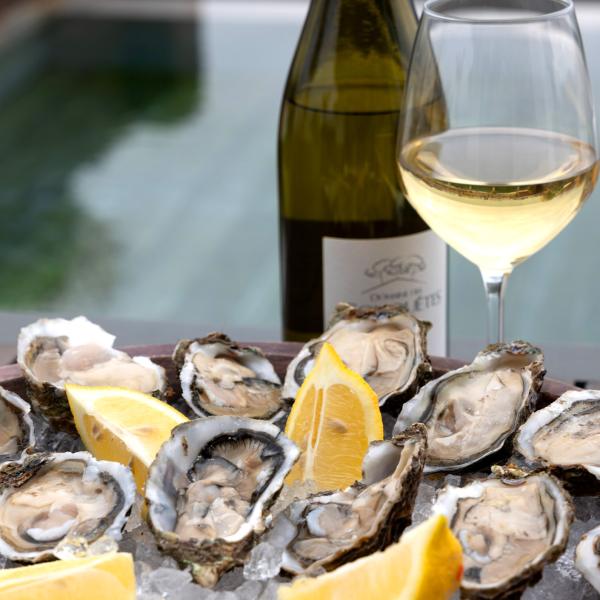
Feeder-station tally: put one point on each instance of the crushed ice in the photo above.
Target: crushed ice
(159, 577)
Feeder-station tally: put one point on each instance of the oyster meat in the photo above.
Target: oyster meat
(219, 377)
(565, 434)
(47, 498)
(209, 486)
(327, 530)
(16, 428)
(509, 529)
(470, 412)
(587, 557)
(52, 352)
(386, 345)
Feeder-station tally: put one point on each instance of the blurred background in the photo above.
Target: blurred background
(138, 181)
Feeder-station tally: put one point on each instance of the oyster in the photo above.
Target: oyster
(386, 345)
(470, 412)
(16, 428)
(209, 486)
(218, 377)
(47, 498)
(565, 434)
(509, 529)
(329, 529)
(52, 352)
(587, 557)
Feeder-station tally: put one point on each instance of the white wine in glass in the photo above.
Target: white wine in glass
(518, 155)
(501, 198)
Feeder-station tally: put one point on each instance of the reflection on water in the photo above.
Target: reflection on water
(68, 90)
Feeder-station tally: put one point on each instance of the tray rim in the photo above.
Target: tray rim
(280, 353)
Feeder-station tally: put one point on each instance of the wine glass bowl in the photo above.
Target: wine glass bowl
(517, 155)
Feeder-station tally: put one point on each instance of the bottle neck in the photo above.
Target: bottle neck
(370, 26)
(353, 55)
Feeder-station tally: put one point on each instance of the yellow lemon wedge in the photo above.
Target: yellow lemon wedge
(93, 578)
(426, 564)
(122, 425)
(334, 418)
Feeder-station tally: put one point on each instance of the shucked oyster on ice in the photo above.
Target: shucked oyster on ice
(329, 529)
(219, 377)
(587, 556)
(386, 345)
(470, 412)
(209, 486)
(16, 428)
(509, 529)
(565, 434)
(52, 352)
(46, 498)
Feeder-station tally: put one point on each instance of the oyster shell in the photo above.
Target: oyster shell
(16, 427)
(219, 377)
(209, 486)
(471, 412)
(565, 434)
(509, 528)
(327, 530)
(386, 345)
(52, 352)
(587, 557)
(46, 498)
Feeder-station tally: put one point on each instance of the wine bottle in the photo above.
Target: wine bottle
(347, 231)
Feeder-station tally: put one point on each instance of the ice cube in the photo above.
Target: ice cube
(249, 590)
(270, 591)
(281, 533)
(168, 582)
(263, 563)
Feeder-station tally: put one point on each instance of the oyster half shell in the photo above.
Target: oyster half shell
(327, 530)
(587, 557)
(219, 377)
(209, 486)
(386, 345)
(471, 412)
(52, 352)
(509, 529)
(47, 498)
(17, 435)
(565, 434)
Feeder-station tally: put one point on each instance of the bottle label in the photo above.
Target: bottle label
(410, 270)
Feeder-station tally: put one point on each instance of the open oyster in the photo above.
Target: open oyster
(509, 529)
(16, 428)
(587, 557)
(46, 498)
(565, 434)
(329, 529)
(52, 352)
(209, 485)
(219, 377)
(470, 412)
(386, 345)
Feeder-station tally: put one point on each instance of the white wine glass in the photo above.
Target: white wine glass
(517, 154)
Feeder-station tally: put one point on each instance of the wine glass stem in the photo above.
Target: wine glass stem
(494, 289)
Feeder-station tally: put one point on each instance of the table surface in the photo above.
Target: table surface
(147, 199)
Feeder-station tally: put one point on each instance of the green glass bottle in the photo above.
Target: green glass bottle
(347, 231)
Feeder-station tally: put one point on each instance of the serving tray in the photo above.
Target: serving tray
(560, 580)
(280, 354)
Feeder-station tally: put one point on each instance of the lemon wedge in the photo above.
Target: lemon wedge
(334, 418)
(93, 578)
(426, 564)
(122, 425)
